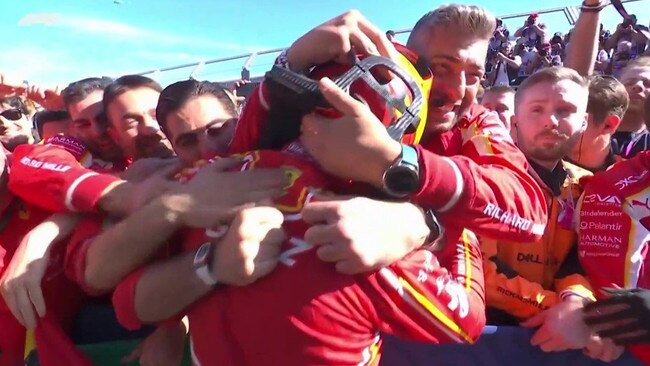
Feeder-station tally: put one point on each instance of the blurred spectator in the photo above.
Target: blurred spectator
(500, 36)
(557, 38)
(532, 31)
(501, 99)
(608, 101)
(527, 56)
(245, 73)
(632, 135)
(621, 57)
(557, 45)
(51, 123)
(15, 126)
(602, 59)
(567, 37)
(543, 59)
(505, 67)
(629, 31)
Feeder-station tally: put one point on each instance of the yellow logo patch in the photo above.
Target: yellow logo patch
(292, 174)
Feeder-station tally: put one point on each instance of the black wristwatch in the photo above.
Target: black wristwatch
(402, 178)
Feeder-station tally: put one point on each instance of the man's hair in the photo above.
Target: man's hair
(643, 61)
(124, 84)
(390, 33)
(607, 96)
(43, 117)
(469, 20)
(15, 102)
(500, 89)
(550, 75)
(173, 97)
(80, 90)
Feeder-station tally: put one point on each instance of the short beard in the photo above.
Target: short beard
(557, 153)
(434, 128)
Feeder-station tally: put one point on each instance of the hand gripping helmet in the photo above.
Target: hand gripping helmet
(396, 91)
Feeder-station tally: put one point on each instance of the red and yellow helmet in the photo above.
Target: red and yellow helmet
(400, 102)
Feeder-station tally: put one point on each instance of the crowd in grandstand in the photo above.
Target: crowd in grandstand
(512, 58)
(471, 176)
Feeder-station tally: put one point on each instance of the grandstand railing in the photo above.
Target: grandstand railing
(570, 12)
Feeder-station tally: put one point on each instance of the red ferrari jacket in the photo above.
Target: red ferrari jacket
(60, 175)
(62, 297)
(615, 229)
(473, 176)
(306, 313)
(47, 178)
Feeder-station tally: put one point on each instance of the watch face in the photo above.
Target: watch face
(402, 180)
(202, 254)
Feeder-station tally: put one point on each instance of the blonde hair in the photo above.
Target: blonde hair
(550, 75)
(468, 20)
(643, 61)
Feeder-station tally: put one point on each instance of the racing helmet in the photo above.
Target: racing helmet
(396, 91)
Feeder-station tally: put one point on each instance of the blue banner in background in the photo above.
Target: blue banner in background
(497, 346)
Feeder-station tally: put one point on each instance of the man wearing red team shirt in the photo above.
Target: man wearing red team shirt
(63, 175)
(448, 284)
(613, 249)
(55, 177)
(318, 316)
(470, 171)
(18, 218)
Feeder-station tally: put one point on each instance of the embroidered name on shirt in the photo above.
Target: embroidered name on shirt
(44, 165)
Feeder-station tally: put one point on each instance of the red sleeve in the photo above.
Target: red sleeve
(75, 259)
(124, 301)
(251, 122)
(429, 297)
(51, 177)
(486, 189)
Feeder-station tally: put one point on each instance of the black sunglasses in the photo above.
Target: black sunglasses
(12, 114)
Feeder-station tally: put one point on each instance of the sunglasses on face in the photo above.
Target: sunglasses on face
(12, 114)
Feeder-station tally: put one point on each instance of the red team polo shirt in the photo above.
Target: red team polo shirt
(45, 179)
(306, 313)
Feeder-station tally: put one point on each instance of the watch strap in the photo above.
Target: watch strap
(435, 240)
(407, 159)
(202, 260)
(409, 156)
(595, 8)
